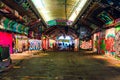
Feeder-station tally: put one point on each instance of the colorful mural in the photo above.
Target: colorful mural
(99, 42)
(20, 43)
(35, 44)
(86, 44)
(117, 41)
(95, 43)
(13, 26)
(102, 42)
(110, 41)
(107, 42)
(6, 40)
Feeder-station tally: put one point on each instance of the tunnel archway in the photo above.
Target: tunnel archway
(65, 42)
(59, 38)
(55, 31)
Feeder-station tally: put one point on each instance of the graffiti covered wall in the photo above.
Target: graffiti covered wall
(6, 40)
(102, 42)
(110, 41)
(99, 42)
(86, 44)
(117, 40)
(35, 44)
(96, 43)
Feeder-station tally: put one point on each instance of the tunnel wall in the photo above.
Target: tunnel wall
(107, 42)
(86, 44)
(6, 40)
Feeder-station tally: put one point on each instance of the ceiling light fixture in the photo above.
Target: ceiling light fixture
(77, 10)
(39, 4)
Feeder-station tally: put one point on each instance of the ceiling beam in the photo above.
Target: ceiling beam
(82, 11)
(36, 11)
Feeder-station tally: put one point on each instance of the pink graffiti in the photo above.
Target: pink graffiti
(110, 44)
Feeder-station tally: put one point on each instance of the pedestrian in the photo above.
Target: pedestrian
(44, 50)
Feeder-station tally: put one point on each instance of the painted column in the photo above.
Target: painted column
(110, 42)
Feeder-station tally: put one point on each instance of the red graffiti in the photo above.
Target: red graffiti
(110, 44)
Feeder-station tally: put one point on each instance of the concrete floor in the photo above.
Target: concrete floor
(63, 66)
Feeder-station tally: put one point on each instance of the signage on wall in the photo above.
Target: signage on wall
(57, 22)
(13, 26)
(105, 17)
(61, 22)
(51, 22)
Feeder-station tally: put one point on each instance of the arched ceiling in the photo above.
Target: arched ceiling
(60, 30)
(59, 9)
(86, 15)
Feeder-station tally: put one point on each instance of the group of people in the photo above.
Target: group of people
(64, 46)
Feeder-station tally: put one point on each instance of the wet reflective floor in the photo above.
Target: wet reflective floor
(62, 66)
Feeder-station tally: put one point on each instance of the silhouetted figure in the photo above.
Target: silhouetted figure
(73, 46)
(69, 46)
(44, 50)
